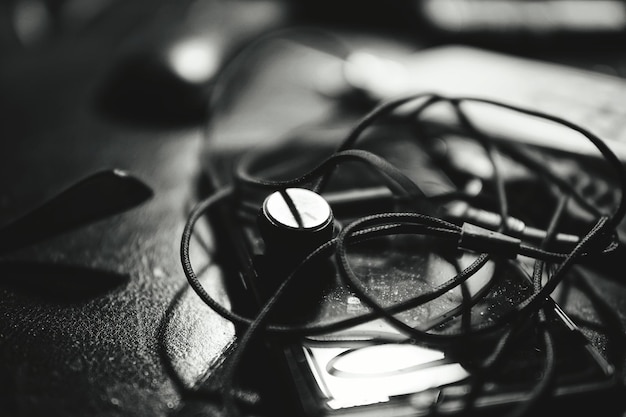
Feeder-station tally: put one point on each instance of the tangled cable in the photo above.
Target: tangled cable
(491, 244)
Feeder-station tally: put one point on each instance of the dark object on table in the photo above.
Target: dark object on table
(95, 197)
(166, 78)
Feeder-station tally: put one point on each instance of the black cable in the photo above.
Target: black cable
(527, 159)
(392, 226)
(544, 385)
(492, 156)
(382, 110)
(320, 39)
(387, 224)
(503, 345)
(528, 306)
(606, 152)
(399, 183)
(253, 329)
(221, 196)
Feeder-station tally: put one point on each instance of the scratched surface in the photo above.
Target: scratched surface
(96, 352)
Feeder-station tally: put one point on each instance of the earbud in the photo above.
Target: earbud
(294, 222)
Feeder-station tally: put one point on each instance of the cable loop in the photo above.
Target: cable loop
(488, 245)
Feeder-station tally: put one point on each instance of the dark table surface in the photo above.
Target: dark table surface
(142, 343)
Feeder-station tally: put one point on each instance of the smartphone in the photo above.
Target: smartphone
(373, 369)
